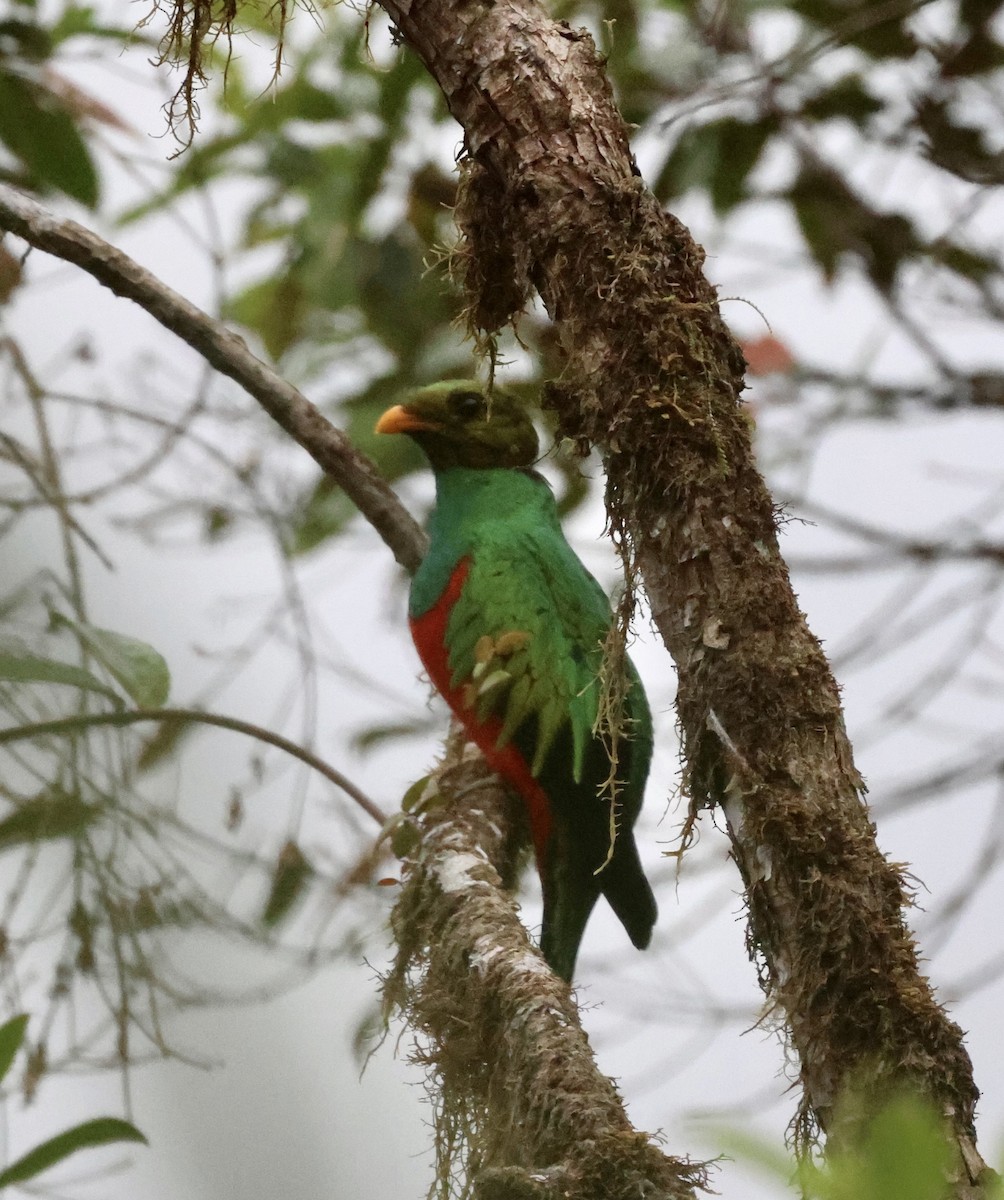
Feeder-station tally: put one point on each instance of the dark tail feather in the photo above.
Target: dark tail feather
(569, 898)
(627, 891)
(568, 901)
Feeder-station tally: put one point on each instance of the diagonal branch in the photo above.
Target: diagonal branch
(229, 354)
(521, 1105)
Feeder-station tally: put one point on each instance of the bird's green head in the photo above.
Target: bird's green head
(458, 425)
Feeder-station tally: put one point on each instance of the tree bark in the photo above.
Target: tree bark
(522, 1113)
(552, 201)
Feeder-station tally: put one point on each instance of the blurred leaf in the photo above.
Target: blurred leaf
(11, 1039)
(274, 308)
(979, 54)
(325, 510)
(376, 735)
(99, 1132)
(139, 668)
(324, 514)
(767, 355)
(881, 31)
(44, 137)
(890, 239)
(167, 736)
(835, 220)
(51, 815)
(968, 263)
(289, 881)
(848, 97)
(34, 43)
(11, 274)
(430, 195)
(367, 1035)
(404, 838)
(717, 157)
(19, 666)
(904, 1155)
(739, 145)
(749, 1148)
(402, 300)
(963, 150)
(414, 797)
(77, 20)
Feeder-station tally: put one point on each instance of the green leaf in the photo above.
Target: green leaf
(906, 1155)
(42, 134)
(739, 145)
(77, 20)
(392, 731)
(99, 1132)
(965, 262)
(404, 838)
(275, 309)
(848, 98)
(139, 668)
(877, 30)
(49, 816)
(415, 795)
(21, 667)
(34, 42)
(164, 741)
(718, 156)
(751, 1149)
(11, 1038)
(289, 882)
(324, 514)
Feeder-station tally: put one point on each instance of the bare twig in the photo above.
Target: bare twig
(67, 726)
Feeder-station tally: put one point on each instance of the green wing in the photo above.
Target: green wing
(525, 640)
(525, 646)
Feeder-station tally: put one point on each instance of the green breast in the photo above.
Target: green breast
(476, 511)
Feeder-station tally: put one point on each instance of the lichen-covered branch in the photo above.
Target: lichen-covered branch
(521, 1109)
(229, 354)
(552, 202)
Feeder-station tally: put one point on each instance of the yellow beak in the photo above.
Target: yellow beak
(399, 420)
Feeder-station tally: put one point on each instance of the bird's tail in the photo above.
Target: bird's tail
(569, 897)
(627, 890)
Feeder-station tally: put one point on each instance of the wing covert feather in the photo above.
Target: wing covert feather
(525, 638)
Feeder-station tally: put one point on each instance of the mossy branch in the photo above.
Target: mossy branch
(521, 1109)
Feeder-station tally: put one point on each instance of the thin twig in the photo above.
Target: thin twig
(229, 354)
(70, 725)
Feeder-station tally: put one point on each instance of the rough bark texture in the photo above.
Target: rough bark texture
(522, 1111)
(552, 202)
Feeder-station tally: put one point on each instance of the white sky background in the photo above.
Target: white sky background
(287, 1113)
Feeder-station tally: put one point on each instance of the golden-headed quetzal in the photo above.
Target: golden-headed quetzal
(510, 626)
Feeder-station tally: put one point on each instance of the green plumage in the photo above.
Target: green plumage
(522, 652)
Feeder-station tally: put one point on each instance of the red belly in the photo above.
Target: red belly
(429, 634)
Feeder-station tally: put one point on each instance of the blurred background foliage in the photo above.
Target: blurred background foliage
(819, 144)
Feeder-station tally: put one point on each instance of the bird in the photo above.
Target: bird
(510, 627)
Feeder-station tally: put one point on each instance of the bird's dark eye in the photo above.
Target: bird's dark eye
(467, 405)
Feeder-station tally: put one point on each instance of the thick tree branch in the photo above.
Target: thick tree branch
(229, 354)
(552, 202)
(520, 1101)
